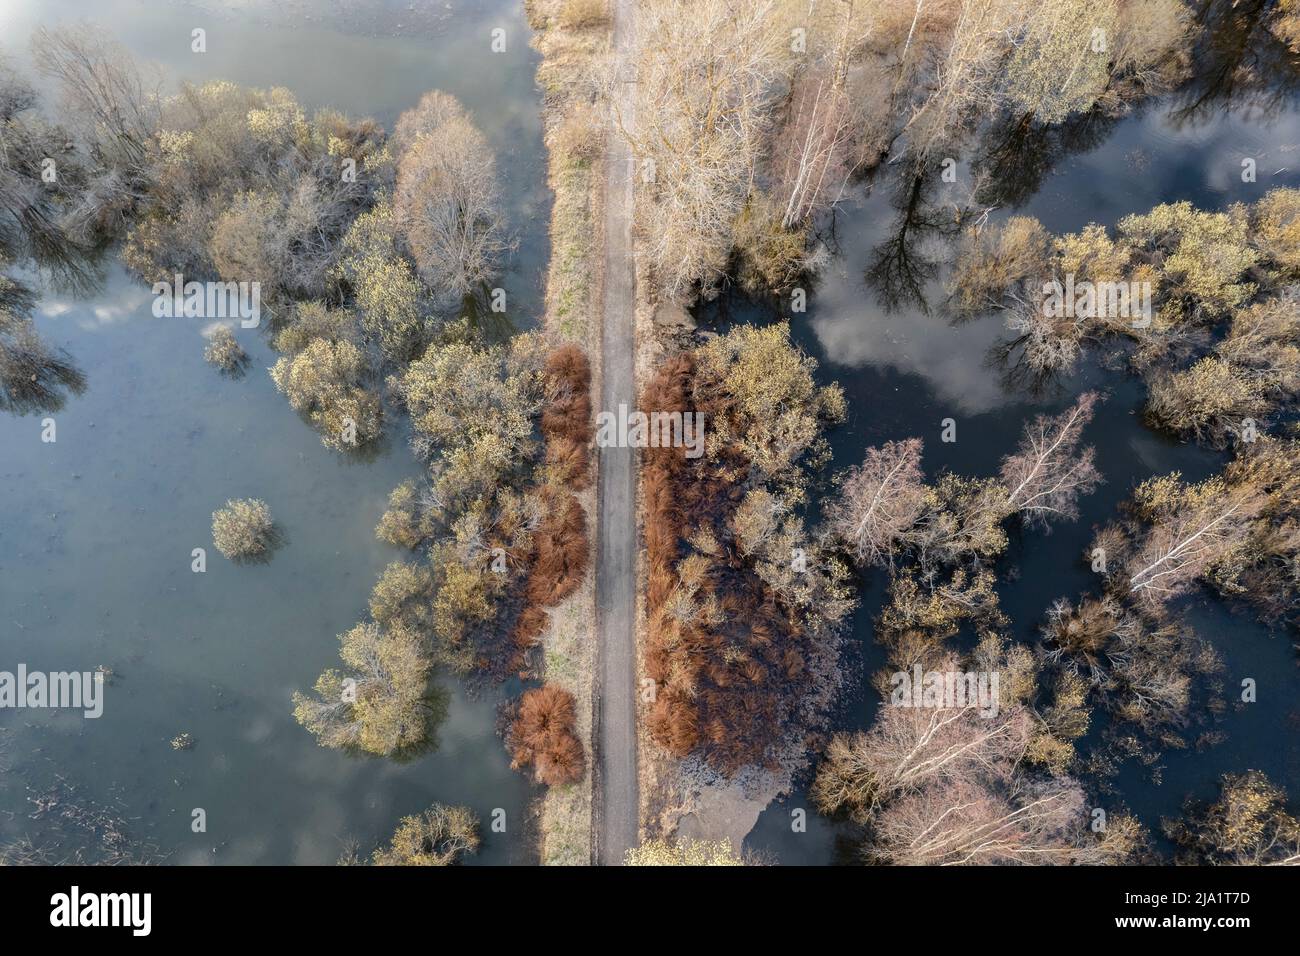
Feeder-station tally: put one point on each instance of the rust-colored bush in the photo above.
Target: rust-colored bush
(560, 548)
(528, 629)
(673, 724)
(570, 363)
(559, 557)
(556, 567)
(542, 736)
(729, 686)
(566, 418)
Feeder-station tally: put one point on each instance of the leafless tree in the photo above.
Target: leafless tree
(1188, 535)
(967, 73)
(913, 746)
(447, 202)
(34, 377)
(103, 90)
(1048, 473)
(968, 822)
(910, 748)
(1140, 672)
(707, 81)
(815, 144)
(880, 500)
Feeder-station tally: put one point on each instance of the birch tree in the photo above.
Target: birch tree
(1049, 472)
(881, 499)
(1190, 529)
(815, 146)
(970, 823)
(910, 748)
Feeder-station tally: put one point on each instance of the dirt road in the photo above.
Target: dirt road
(616, 546)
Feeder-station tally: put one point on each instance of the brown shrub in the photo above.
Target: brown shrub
(528, 628)
(570, 364)
(673, 723)
(566, 418)
(542, 736)
(560, 549)
(730, 661)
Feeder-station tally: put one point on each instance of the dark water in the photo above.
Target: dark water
(96, 529)
(904, 371)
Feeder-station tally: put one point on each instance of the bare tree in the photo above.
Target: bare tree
(1141, 673)
(1048, 473)
(447, 202)
(114, 102)
(1247, 826)
(1192, 529)
(967, 73)
(913, 746)
(1055, 69)
(815, 144)
(967, 822)
(34, 377)
(880, 500)
(707, 73)
(909, 748)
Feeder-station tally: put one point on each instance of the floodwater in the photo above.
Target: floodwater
(97, 528)
(906, 369)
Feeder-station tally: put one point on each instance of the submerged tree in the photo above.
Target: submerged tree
(446, 203)
(380, 702)
(243, 530)
(947, 784)
(1167, 282)
(880, 501)
(1237, 389)
(1249, 825)
(326, 382)
(225, 353)
(1142, 673)
(908, 748)
(1237, 532)
(245, 187)
(115, 105)
(1185, 532)
(970, 823)
(1049, 471)
(440, 836)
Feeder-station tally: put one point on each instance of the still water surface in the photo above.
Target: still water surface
(96, 529)
(905, 370)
